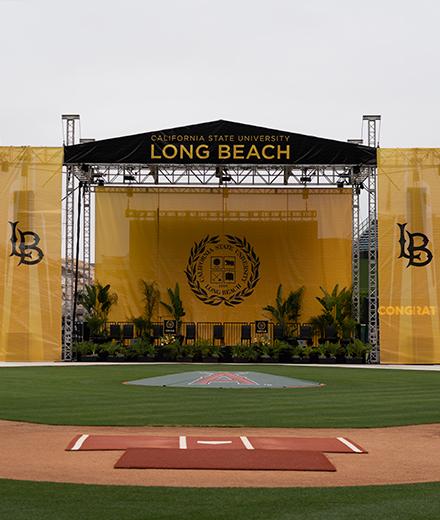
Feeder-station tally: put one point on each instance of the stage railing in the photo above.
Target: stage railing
(227, 333)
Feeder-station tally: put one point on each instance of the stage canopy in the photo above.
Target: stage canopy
(220, 142)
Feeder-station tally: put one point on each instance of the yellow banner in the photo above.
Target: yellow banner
(408, 227)
(228, 249)
(30, 247)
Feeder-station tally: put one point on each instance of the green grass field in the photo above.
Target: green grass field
(95, 395)
(22, 500)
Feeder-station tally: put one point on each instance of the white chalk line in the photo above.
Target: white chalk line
(79, 443)
(349, 445)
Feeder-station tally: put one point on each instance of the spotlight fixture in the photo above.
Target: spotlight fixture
(222, 174)
(100, 182)
(305, 179)
(129, 178)
(340, 184)
(218, 171)
(359, 187)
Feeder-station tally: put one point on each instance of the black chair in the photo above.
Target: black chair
(115, 331)
(330, 335)
(86, 332)
(218, 334)
(81, 331)
(345, 341)
(128, 331)
(306, 335)
(278, 332)
(245, 333)
(157, 330)
(190, 332)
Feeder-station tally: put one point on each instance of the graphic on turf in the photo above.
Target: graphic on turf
(222, 270)
(224, 377)
(417, 255)
(204, 379)
(29, 253)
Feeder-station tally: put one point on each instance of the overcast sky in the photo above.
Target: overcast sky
(311, 66)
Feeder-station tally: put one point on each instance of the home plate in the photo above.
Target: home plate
(225, 379)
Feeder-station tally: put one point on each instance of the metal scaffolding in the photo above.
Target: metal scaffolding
(372, 122)
(207, 176)
(356, 186)
(71, 130)
(86, 227)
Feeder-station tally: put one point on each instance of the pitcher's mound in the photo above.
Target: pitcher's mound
(225, 380)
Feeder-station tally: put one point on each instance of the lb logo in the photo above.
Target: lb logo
(413, 247)
(28, 252)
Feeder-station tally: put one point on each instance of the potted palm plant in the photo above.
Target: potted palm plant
(150, 299)
(287, 309)
(175, 306)
(97, 300)
(336, 313)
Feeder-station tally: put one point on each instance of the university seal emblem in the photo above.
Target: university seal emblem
(222, 270)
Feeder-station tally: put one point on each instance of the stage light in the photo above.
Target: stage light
(100, 182)
(129, 178)
(340, 184)
(356, 170)
(359, 188)
(222, 174)
(305, 179)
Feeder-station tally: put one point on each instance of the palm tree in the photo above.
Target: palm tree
(336, 311)
(97, 301)
(286, 310)
(175, 307)
(151, 298)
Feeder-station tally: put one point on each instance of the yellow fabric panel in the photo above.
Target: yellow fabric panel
(300, 238)
(409, 191)
(30, 288)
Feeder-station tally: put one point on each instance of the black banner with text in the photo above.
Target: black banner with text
(220, 142)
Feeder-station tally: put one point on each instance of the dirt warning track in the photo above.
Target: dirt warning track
(395, 455)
